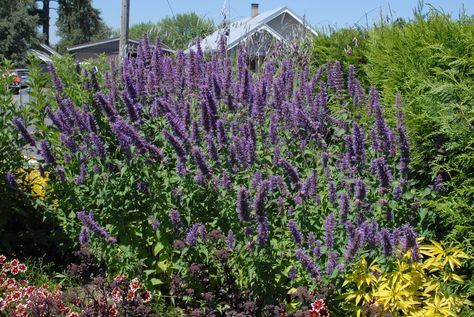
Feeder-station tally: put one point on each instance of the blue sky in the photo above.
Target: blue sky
(319, 13)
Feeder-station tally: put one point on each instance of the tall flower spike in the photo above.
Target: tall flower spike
(329, 227)
(381, 169)
(20, 125)
(403, 141)
(88, 221)
(311, 267)
(293, 228)
(243, 204)
(46, 153)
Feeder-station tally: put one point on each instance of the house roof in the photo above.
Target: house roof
(243, 28)
(44, 53)
(95, 44)
(107, 43)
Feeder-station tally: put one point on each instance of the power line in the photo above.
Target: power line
(171, 9)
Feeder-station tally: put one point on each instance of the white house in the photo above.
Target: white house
(259, 30)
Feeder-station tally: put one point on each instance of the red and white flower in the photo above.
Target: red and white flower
(2, 259)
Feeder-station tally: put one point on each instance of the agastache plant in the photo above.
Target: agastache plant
(264, 156)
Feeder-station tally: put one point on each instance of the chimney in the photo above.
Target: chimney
(254, 11)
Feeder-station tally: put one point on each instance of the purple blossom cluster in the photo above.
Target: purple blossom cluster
(276, 142)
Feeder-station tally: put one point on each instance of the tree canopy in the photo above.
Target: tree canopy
(175, 32)
(17, 29)
(79, 22)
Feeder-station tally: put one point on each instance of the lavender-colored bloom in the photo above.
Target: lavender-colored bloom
(331, 263)
(381, 169)
(178, 126)
(60, 173)
(57, 83)
(221, 133)
(211, 149)
(360, 190)
(20, 125)
(225, 180)
(176, 144)
(410, 242)
(332, 192)
(438, 184)
(403, 141)
(84, 236)
(292, 273)
(297, 236)
(201, 162)
(386, 240)
(309, 185)
(396, 237)
(262, 231)
(230, 240)
(130, 107)
(329, 227)
(99, 145)
(198, 229)
(11, 180)
(257, 179)
(106, 104)
(273, 131)
(68, 141)
(397, 192)
(155, 223)
(335, 78)
(243, 207)
(88, 221)
(383, 133)
(175, 218)
(308, 264)
(353, 246)
(259, 200)
(46, 153)
(317, 249)
(291, 171)
(81, 178)
(343, 207)
(311, 239)
(358, 144)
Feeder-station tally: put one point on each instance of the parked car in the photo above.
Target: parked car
(23, 74)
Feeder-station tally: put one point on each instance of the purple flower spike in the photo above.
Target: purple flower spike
(230, 240)
(88, 221)
(386, 240)
(20, 125)
(308, 264)
(84, 236)
(329, 227)
(332, 192)
(11, 180)
(175, 218)
(46, 153)
(201, 162)
(331, 262)
(297, 236)
(343, 207)
(410, 242)
(381, 169)
(193, 234)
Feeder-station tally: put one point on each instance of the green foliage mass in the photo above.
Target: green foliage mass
(17, 29)
(175, 32)
(430, 60)
(79, 22)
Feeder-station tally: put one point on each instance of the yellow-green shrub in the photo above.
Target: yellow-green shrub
(409, 288)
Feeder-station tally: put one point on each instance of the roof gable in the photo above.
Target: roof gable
(243, 28)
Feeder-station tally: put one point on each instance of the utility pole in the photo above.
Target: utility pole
(124, 30)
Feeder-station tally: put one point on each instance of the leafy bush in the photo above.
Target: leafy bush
(265, 181)
(418, 289)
